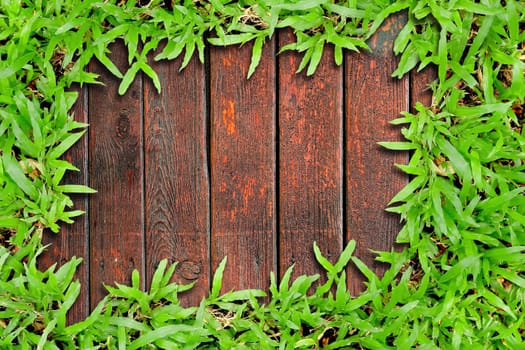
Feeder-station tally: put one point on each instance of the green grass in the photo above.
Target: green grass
(460, 281)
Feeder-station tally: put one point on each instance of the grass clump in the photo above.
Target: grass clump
(459, 282)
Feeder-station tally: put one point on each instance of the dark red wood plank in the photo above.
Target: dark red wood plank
(310, 161)
(373, 98)
(177, 189)
(73, 239)
(116, 171)
(243, 166)
(419, 86)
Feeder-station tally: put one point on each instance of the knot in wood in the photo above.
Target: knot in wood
(189, 270)
(123, 125)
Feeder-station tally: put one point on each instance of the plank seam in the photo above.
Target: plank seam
(344, 151)
(87, 203)
(277, 214)
(144, 179)
(207, 148)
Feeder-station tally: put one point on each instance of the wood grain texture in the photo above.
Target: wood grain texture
(243, 166)
(372, 99)
(256, 170)
(116, 171)
(73, 239)
(176, 191)
(310, 161)
(419, 86)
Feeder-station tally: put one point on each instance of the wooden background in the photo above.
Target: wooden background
(217, 165)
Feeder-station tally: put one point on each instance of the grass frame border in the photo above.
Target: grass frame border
(463, 210)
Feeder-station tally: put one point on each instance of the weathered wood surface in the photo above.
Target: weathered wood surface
(116, 170)
(256, 170)
(176, 174)
(243, 166)
(310, 161)
(372, 98)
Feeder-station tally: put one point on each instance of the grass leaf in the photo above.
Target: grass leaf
(217, 279)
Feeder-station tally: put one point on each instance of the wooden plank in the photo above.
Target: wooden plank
(372, 99)
(310, 161)
(419, 86)
(243, 166)
(116, 170)
(73, 239)
(176, 191)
